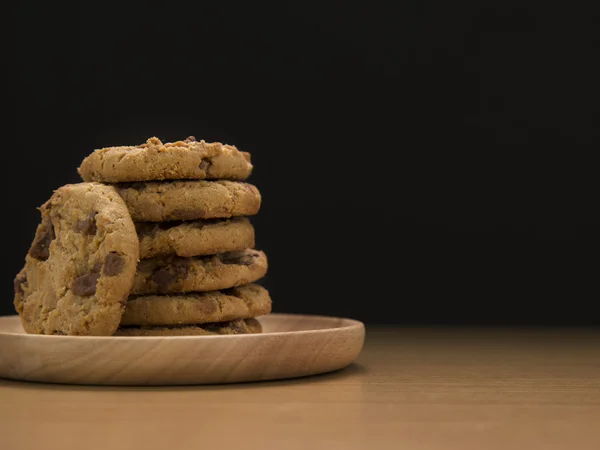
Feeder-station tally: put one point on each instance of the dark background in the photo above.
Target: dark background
(420, 162)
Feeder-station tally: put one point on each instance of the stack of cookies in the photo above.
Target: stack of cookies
(156, 241)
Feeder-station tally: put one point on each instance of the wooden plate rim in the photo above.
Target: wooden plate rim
(345, 324)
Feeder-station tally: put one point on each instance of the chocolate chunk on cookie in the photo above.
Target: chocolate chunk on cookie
(85, 285)
(114, 264)
(181, 160)
(19, 285)
(240, 326)
(250, 300)
(81, 265)
(194, 238)
(173, 274)
(88, 225)
(241, 258)
(189, 200)
(40, 249)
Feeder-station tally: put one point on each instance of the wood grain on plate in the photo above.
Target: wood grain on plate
(290, 346)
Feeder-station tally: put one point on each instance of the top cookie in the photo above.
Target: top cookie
(81, 265)
(189, 159)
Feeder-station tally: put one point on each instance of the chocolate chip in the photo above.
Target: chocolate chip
(170, 274)
(41, 246)
(113, 264)
(190, 139)
(242, 257)
(181, 266)
(88, 225)
(205, 164)
(85, 285)
(163, 277)
(19, 280)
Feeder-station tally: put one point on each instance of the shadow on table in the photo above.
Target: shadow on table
(352, 370)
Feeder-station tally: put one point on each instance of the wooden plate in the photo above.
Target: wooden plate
(290, 346)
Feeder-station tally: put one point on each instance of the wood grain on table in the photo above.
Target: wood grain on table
(409, 389)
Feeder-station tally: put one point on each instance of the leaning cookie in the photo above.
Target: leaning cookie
(189, 200)
(251, 300)
(194, 238)
(240, 326)
(173, 274)
(189, 159)
(81, 265)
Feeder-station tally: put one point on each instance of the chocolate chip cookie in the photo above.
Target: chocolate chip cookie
(172, 274)
(188, 159)
(193, 238)
(240, 326)
(81, 265)
(189, 200)
(242, 302)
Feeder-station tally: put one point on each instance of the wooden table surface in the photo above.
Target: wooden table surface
(409, 389)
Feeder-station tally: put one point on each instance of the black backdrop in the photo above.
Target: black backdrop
(422, 162)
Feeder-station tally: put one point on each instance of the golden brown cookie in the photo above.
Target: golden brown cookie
(81, 265)
(240, 326)
(251, 300)
(189, 159)
(189, 200)
(194, 238)
(173, 274)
